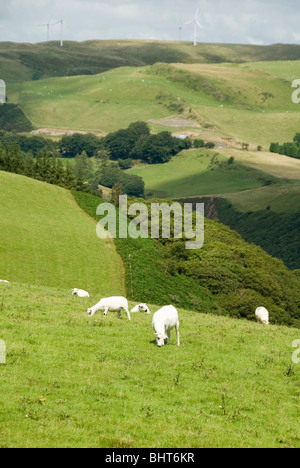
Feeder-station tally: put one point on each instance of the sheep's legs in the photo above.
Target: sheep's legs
(177, 330)
(128, 314)
(105, 311)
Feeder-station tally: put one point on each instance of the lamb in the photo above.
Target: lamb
(164, 320)
(114, 303)
(262, 315)
(141, 308)
(80, 293)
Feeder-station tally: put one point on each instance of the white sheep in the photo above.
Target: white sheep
(4, 281)
(80, 293)
(262, 315)
(164, 320)
(114, 303)
(141, 308)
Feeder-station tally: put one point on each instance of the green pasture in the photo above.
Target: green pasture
(244, 102)
(45, 238)
(199, 172)
(74, 381)
(281, 198)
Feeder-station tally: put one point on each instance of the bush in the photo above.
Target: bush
(131, 184)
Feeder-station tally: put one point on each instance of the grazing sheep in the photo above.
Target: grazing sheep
(164, 320)
(80, 293)
(262, 315)
(141, 308)
(114, 303)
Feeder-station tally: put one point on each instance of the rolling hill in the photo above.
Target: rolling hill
(72, 381)
(228, 103)
(46, 239)
(27, 62)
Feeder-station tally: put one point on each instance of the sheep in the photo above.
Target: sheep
(114, 303)
(4, 281)
(80, 293)
(164, 320)
(262, 315)
(141, 308)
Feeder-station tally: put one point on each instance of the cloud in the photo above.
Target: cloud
(251, 21)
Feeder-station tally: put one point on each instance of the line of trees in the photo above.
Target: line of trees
(39, 157)
(135, 142)
(291, 149)
(44, 167)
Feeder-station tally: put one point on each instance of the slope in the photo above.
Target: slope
(24, 62)
(46, 239)
(73, 381)
(216, 101)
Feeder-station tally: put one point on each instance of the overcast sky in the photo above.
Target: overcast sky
(229, 21)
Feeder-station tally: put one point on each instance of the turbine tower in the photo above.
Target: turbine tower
(61, 31)
(196, 24)
(47, 25)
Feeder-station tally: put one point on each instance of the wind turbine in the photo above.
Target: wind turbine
(48, 28)
(196, 24)
(61, 31)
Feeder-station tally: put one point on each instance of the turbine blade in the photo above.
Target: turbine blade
(199, 24)
(189, 22)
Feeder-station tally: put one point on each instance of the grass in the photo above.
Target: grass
(47, 239)
(244, 102)
(280, 198)
(72, 381)
(23, 62)
(198, 172)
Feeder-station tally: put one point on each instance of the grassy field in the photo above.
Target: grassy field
(243, 102)
(281, 198)
(200, 172)
(47, 239)
(73, 381)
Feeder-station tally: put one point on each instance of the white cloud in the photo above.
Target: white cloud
(255, 21)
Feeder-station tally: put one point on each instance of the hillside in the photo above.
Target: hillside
(226, 276)
(26, 62)
(228, 103)
(73, 381)
(46, 239)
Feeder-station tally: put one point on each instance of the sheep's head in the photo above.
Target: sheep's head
(160, 339)
(90, 312)
(144, 308)
(74, 292)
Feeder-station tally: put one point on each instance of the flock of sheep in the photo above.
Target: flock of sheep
(164, 319)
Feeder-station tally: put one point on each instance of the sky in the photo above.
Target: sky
(226, 21)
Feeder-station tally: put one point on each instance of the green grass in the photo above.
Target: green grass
(22, 62)
(244, 102)
(45, 238)
(281, 198)
(73, 381)
(198, 172)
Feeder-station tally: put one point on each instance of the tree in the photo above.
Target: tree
(297, 139)
(115, 193)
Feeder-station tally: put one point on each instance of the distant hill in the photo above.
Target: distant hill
(26, 62)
